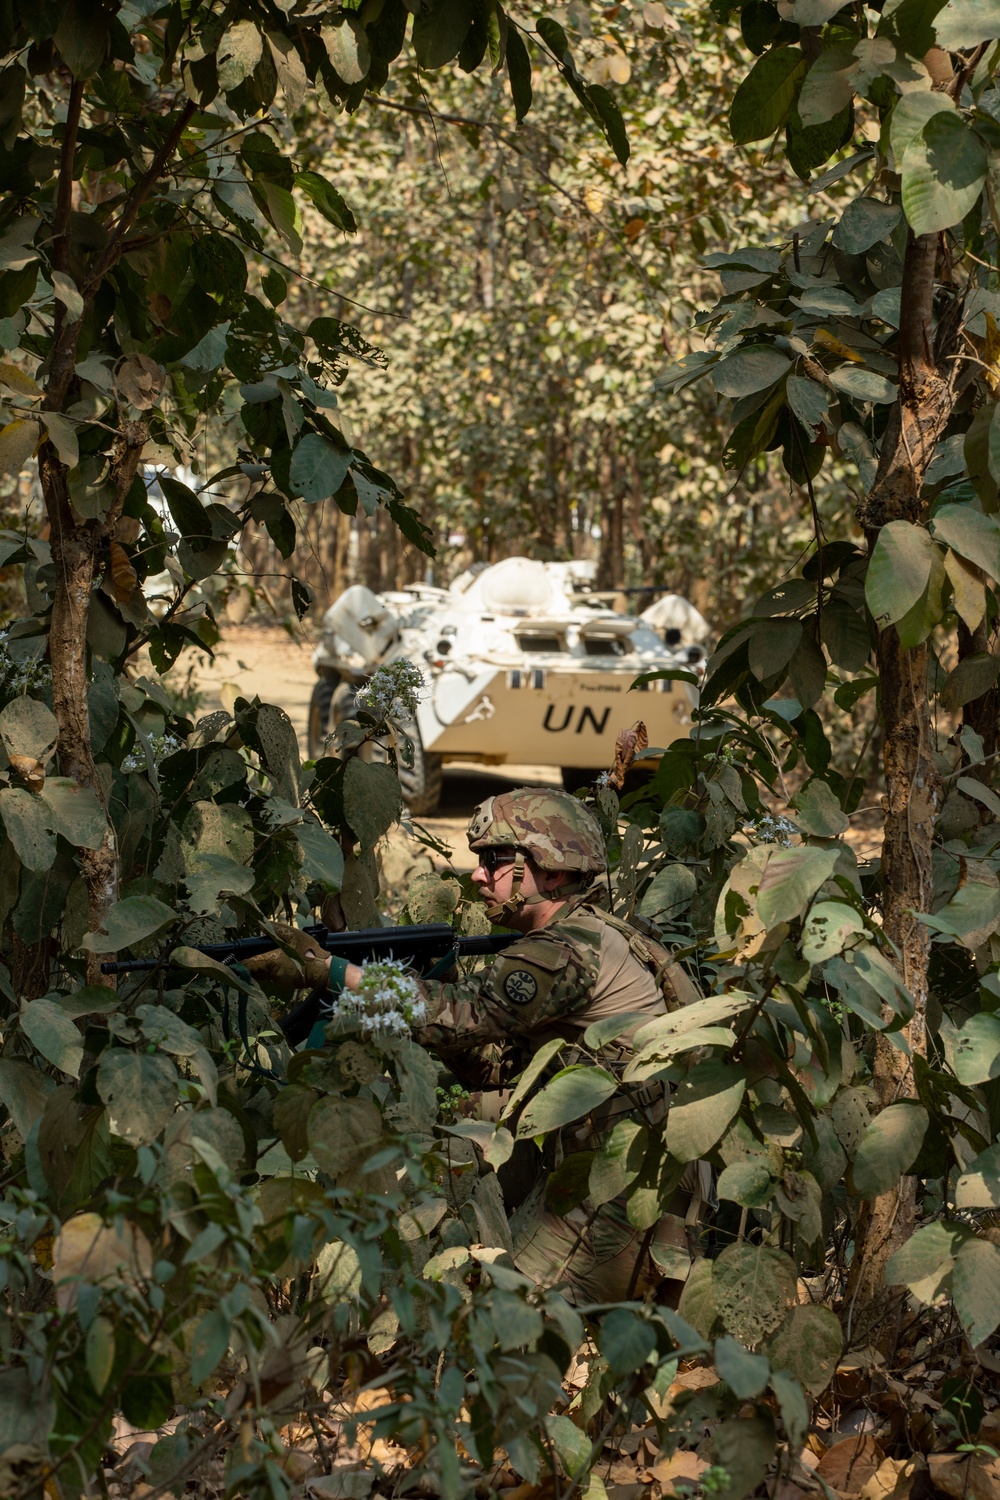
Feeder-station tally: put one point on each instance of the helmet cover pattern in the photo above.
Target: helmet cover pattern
(554, 828)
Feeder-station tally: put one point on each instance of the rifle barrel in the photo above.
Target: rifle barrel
(409, 944)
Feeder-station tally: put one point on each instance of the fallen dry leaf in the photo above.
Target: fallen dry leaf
(88, 1250)
(695, 1380)
(683, 1465)
(894, 1479)
(965, 1477)
(849, 1464)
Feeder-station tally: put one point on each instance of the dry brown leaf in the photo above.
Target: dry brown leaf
(695, 1380)
(522, 1492)
(88, 1250)
(849, 1464)
(894, 1479)
(681, 1465)
(124, 579)
(29, 771)
(991, 357)
(965, 1477)
(627, 747)
(140, 381)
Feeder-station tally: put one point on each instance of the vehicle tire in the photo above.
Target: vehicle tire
(421, 782)
(320, 722)
(575, 778)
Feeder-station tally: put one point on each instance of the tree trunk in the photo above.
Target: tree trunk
(927, 379)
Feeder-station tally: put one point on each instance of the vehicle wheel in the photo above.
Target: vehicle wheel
(320, 722)
(421, 782)
(575, 778)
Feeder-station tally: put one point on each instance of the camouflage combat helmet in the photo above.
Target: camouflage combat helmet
(554, 828)
(556, 831)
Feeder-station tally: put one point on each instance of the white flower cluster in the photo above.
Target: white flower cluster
(387, 1001)
(17, 677)
(767, 829)
(393, 692)
(161, 745)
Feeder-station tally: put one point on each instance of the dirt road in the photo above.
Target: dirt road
(266, 661)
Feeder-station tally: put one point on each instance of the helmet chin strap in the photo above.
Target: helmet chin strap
(498, 910)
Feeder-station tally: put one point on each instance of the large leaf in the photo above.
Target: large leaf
(863, 385)
(347, 46)
(703, 1107)
(970, 533)
(976, 1054)
(26, 818)
(140, 1091)
(809, 1345)
(343, 1135)
(323, 858)
(975, 1286)
(24, 1090)
(318, 467)
(373, 800)
(864, 223)
(439, 31)
(324, 196)
(978, 1186)
(746, 1374)
(790, 880)
(128, 922)
(973, 908)
(74, 812)
(944, 169)
(570, 1095)
(28, 727)
(899, 571)
(753, 368)
(888, 1149)
(830, 927)
(762, 101)
(754, 1287)
(925, 1262)
(54, 1035)
(966, 23)
(829, 85)
(911, 114)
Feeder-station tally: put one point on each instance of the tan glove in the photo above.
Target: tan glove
(280, 970)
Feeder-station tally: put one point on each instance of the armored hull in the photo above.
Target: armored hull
(522, 664)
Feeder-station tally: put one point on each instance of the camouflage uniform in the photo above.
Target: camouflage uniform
(583, 966)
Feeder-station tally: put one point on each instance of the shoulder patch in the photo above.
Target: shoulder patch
(520, 986)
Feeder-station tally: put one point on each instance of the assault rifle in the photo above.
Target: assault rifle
(423, 946)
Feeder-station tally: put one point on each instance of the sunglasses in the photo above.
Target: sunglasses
(494, 859)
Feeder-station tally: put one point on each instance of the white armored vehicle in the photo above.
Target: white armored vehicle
(523, 665)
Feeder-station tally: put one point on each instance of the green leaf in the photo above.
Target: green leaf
(829, 928)
(844, 632)
(899, 571)
(346, 43)
(373, 800)
(323, 858)
(978, 1186)
(790, 880)
(808, 400)
(627, 1341)
(25, 817)
(976, 1054)
(209, 1344)
(100, 1352)
(53, 1034)
(617, 1162)
(925, 1262)
(28, 727)
(74, 812)
(829, 85)
(518, 73)
(762, 101)
(966, 23)
(324, 196)
(81, 37)
(611, 120)
(318, 467)
(754, 1288)
(819, 812)
(793, 1406)
(746, 1374)
(971, 678)
(140, 1091)
(704, 1104)
(943, 170)
(189, 514)
(971, 534)
(975, 1287)
(752, 368)
(439, 31)
(748, 1183)
(668, 893)
(863, 385)
(772, 646)
(864, 223)
(570, 1095)
(911, 114)
(808, 1345)
(343, 1135)
(973, 907)
(128, 922)
(239, 52)
(24, 1090)
(888, 1149)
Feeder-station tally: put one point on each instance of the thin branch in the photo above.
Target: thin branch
(64, 188)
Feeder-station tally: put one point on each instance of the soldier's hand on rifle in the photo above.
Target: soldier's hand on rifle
(279, 969)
